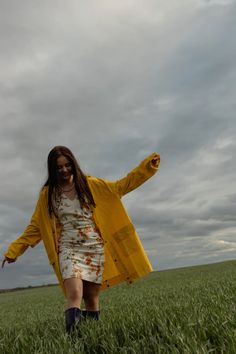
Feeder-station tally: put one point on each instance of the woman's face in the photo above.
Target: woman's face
(64, 169)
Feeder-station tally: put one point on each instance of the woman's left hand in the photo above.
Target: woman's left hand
(156, 160)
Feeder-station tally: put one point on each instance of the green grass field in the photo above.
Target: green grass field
(188, 310)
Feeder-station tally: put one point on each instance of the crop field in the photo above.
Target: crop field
(186, 310)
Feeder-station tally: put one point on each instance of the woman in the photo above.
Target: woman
(88, 236)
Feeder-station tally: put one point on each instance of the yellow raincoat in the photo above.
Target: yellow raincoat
(125, 258)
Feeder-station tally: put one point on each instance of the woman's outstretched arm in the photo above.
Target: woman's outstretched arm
(146, 169)
(30, 237)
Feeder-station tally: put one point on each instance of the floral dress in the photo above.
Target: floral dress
(81, 248)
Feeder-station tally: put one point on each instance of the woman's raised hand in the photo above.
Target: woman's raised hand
(156, 160)
(8, 260)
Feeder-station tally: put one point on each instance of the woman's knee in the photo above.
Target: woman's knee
(73, 290)
(90, 294)
(91, 289)
(74, 294)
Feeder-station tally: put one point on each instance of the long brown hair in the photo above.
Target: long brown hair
(80, 180)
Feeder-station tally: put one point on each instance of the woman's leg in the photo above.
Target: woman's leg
(74, 292)
(91, 295)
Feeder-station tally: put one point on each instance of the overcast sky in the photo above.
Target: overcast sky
(115, 81)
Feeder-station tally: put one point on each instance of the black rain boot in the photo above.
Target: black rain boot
(84, 313)
(91, 314)
(73, 316)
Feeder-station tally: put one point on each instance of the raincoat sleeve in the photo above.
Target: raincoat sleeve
(30, 237)
(146, 169)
